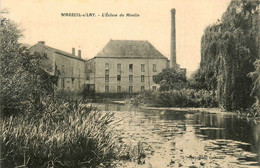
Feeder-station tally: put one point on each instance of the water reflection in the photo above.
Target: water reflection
(181, 138)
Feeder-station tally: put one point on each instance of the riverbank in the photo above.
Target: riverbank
(192, 109)
(208, 110)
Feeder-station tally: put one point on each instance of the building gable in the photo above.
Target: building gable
(43, 47)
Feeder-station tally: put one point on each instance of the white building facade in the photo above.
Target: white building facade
(125, 66)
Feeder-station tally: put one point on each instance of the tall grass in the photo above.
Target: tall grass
(177, 98)
(62, 135)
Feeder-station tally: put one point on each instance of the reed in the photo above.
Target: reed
(62, 135)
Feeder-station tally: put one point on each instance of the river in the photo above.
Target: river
(188, 139)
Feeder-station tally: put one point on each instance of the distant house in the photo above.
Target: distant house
(71, 68)
(125, 66)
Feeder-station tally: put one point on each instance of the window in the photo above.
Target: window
(107, 71)
(154, 78)
(118, 88)
(130, 78)
(131, 67)
(142, 78)
(62, 68)
(154, 68)
(106, 88)
(107, 78)
(154, 87)
(142, 68)
(107, 66)
(118, 66)
(130, 89)
(118, 77)
(142, 88)
(87, 77)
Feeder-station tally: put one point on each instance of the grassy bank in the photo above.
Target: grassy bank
(187, 98)
(63, 135)
(177, 98)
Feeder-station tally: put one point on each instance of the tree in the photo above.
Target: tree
(256, 86)
(197, 81)
(228, 50)
(23, 81)
(170, 79)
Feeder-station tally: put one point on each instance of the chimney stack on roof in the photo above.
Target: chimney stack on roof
(79, 53)
(73, 51)
(41, 42)
(173, 39)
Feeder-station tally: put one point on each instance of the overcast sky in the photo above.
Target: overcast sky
(42, 21)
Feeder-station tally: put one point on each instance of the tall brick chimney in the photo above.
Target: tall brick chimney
(79, 53)
(73, 51)
(173, 39)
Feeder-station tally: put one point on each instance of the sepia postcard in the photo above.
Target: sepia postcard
(130, 83)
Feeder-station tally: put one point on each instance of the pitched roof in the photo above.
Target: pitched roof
(129, 49)
(60, 52)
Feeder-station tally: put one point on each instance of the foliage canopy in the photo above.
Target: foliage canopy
(170, 79)
(23, 81)
(229, 49)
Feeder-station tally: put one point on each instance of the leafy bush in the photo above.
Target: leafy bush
(63, 135)
(177, 98)
(170, 79)
(23, 81)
